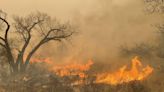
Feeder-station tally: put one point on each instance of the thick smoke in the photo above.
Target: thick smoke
(103, 26)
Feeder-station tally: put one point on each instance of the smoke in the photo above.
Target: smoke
(105, 25)
(102, 25)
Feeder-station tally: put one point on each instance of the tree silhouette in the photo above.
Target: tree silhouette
(36, 25)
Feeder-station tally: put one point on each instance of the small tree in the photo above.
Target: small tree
(36, 25)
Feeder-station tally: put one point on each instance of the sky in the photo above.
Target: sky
(103, 25)
(58, 8)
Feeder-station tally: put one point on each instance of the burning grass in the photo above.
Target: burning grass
(137, 72)
(123, 75)
(75, 77)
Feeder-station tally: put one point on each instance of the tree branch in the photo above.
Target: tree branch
(27, 41)
(2, 39)
(7, 29)
(35, 23)
(45, 40)
(8, 49)
(2, 45)
(58, 37)
(33, 51)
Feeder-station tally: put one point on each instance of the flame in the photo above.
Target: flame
(72, 69)
(137, 72)
(37, 60)
(123, 75)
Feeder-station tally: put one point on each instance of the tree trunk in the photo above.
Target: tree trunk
(22, 68)
(15, 69)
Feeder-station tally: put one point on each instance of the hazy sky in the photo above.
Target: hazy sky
(54, 7)
(104, 24)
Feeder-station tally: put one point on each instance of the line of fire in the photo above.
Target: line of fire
(81, 46)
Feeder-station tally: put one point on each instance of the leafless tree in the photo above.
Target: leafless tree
(36, 25)
(147, 50)
(154, 6)
(157, 6)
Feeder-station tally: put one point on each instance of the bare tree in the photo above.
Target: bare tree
(157, 6)
(36, 24)
(145, 49)
(154, 6)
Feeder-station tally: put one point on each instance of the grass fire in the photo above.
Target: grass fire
(137, 72)
(81, 46)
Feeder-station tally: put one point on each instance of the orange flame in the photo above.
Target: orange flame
(72, 69)
(123, 75)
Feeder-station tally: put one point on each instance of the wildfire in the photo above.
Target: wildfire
(137, 72)
(46, 60)
(73, 69)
